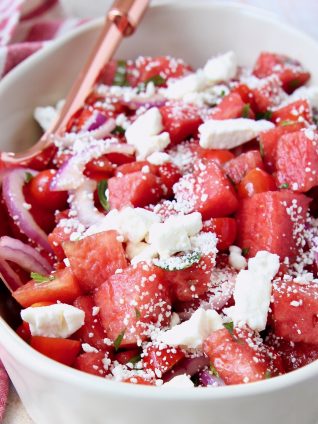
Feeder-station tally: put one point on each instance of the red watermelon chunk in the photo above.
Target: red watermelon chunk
(268, 142)
(297, 160)
(132, 302)
(161, 360)
(240, 357)
(268, 220)
(92, 363)
(91, 332)
(295, 311)
(268, 94)
(231, 107)
(207, 190)
(298, 111)
(165, 66)
(95, 258)
(238, 167)
(136, 189)
(290, 72)
(169, 175)
(180, 120)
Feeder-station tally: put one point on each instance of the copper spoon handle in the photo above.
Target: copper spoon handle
(122, 19)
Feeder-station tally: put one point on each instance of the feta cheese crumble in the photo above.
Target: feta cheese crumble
(236, 259)
(221, 68)
(252, 292)
(192, 333)
(180, 381)
(59, 320)
(230, 133)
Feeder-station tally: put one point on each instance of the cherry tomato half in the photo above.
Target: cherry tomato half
(255, 181)
(41, 193)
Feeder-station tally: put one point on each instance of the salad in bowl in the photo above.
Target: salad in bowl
(169, 237)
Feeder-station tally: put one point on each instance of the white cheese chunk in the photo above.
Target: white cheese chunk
(46, 115)
(132, 223)
(180, 87)
(221, 68)
(172, 236)
(180, 381)
(158, 158)
(252, 291)
(58, 320)
(192, 333)
(230, 133)
(144, 134)
(236, 259)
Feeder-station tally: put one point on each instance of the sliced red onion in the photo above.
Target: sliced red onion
(70, 175)
(103, 130)
(23, 255)
(206, 379)
(10, 277)
(146, 102)
(12, 191)
(189, 366)
(83, 203)
(95, 122)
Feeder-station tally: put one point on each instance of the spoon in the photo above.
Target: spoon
(122, 19)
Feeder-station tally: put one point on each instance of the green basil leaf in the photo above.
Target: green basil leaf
(101, 190)
(118, 340)
(39, 278)
(120, 77)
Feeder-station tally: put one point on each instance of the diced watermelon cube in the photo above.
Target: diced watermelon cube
(269, 220)
(240, 357)
(298, 111)
(92, 331)
(268, 142)
(225, 230)
(207, 190)
(231, 107)
(295, 311)
(95, 258)
(92, 363)
(165, 66)
(169, 175)
(180, 120)
(268, 95)
(290, 72)
(132, 302)
(137, 189)
(297, 160)
(160, 360)
(238, 167)
(128, 168)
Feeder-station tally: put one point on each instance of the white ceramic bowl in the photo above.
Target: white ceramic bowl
(55, 394)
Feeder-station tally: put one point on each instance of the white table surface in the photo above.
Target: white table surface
(302, 14)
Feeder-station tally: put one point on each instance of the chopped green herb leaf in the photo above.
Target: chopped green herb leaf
(264, 115)
(213, 370)
(295, 83)
(39, 278)
(177, 263)
(28, 177)
(268, 374)
(286, 123)
(285, 185)
(246, 110)
(156, 80)
(118, 130)
(222, 94)
(120, 77)
(261, 149)
(245, 251)
(118, 340)
(101, 190)
(138, 314)
(134, 360)
(229, 326)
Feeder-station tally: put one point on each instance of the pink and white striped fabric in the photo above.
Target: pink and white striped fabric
(27, 25)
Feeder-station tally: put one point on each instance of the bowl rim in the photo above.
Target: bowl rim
(43, 365)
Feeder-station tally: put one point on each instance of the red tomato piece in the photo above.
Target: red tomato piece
(294, 311)
(120, 158)
(128, 168)
(61, 350)
(297, 160)
(133, 300)
(290, 72)
(207, 190)
(231, 107)
(256, 181)
(233, 356)
(137, 379)
(181, 121)
(169, 175)
(95, 258)
(238, 167)
(246, 94)
(165, 66)
(126, 356)
(41, 193)
(225, 230)
(191, 282)
(298, 111)
(219, 156)
(136, 189)
(64, 288)
(56, 239)
(92, 363)
(24, 332)
(99, 169)
(264, 223)
(268, 142)
(161, 360)
(92, 331)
